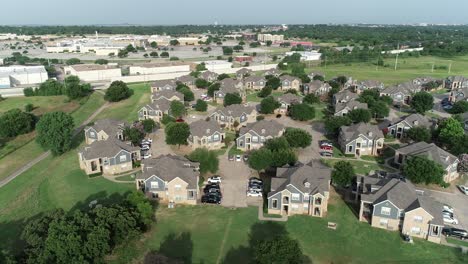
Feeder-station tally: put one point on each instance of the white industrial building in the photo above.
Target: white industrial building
(102, 47)
(306, 55)
(158, 68)
(214, 65)
(398, 51)
(160, 40)
(270, 37)
(14, 76)
(93, 72)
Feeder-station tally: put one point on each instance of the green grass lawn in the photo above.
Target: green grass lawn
(234, 151)
(252, 97)
(408, 68)
(130, 177)
(457, 242)
(360, 167)
(42, 104)
(220, 235)
(127, 110)
(23, 149)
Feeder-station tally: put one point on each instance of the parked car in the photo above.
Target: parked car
(231, 157)
(455, 232)
(448, 208)
(463, 189)
(445, 101)
(450, 220)
(147, 156)
(148, 140)
(211, 186)
(211, 198)
(254, 194)
(326, 147)
(326, 154)
(447, 107)
(326, 143)
(255, 187)
(214, 179)
(255, 180)
(145, 147)
(214, 191)
(444, 213)
(238, 158)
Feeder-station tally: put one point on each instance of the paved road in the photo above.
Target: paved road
(457, 200)
(46, 154)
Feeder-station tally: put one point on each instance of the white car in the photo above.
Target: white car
(238, 158)
(254, 194)
(255, 180)
(147, 156)
(448, 208)
(148, 140)
(214, 179)
(463, 189)
(450, 220)
(145, 147)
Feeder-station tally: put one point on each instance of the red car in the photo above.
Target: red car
(326, 147)
(180, 120)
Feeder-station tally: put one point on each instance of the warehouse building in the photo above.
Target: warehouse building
(214, 65)
(158, 68)
(14, 76)
(93, 72)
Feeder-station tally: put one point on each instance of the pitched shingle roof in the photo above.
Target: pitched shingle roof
(203, 128)
(110, 126)
(243, 71)
(430, 151)
(288, 78)
(416, 120)
(264, 128)
(310, 178)
(236, 110)
(351, 105)
(161, 104)
(105, 149)
(345, 95)
(167, 94)
(289, 98)
(208, 74)
(406, 88)
(169, 167)
(255, 79)
(352, 132)
(161, 83)
(186, 78)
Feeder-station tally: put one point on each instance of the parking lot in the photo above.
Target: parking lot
(458, 201)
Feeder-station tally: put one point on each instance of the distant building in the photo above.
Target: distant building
(305, 44)
(254, 135)
(14, 76)
(306, 55)
(160, 40)
(361, 139)
(206, 134)
(214, 65)
(243, 58)
(270, 37)
(159, 68)
(93, 72)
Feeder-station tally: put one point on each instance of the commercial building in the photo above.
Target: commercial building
(160, 40)
(306, 55)
(270, 37)
(14, 76)
(93, 72)
(102, 47)
(159, 68)
(214, 65)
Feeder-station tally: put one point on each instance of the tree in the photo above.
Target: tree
(73, 61)
(283, 157)
(153, 44)
(134, 135)
(148, 125)
(459, 145)
(117, 91)
(268, 43)
(238, 48)
(343, 174)
(232, 98)
(201, 67)
(223, 76)
(101, 61)
(177, 133)
(209, 162)
(360, 115)
(419, 133)
(298, 138)
(280, 249)
(28, 108)
(318, 77)
(166, 119)
(273, 83)
(154, 54)
(54, 132)
(131, 48)
(302, 112)
(177, 109)
(459, 107)
(268, 105)
(201, 106)
(174, 42)
(15, 122)
(260, 159)
(227, 50)
(164, 54)
(74, 89)
(422, 170)
(422, 102)
(276, 144)
(201, 83)
(311, 99)
(266, 91)
(380, 109)
(188, 94)
(122, 53)
(213, 88)
(333, 124)
(449, 130)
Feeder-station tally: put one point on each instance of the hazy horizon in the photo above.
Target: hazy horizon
(241, 12)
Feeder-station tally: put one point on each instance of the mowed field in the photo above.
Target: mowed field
(408, 68)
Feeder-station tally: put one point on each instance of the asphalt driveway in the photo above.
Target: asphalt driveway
(458, 201)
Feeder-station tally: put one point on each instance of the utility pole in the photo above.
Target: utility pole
(432, 67)
(450, 67)
(396, 58)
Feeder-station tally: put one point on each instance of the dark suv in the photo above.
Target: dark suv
(455, 232)
(211, 198)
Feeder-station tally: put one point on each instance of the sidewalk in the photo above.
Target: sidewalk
(261, 217)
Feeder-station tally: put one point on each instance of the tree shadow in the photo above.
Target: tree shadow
(259, 232)
(177, 247)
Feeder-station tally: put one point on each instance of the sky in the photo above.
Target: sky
(171, 12)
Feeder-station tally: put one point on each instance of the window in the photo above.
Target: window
(295, 197)
(306, 197)
(358, 145)
(191, 195)
(418, 219)
(222, 118)
(262, 139)
(123, 158)
(350, 148)
(92, 134)
(255, 139)
(216, 137)
(154, 185)
(274, 203)
(178, 198)
(416, 230)
(383, 222)
(178, 187)
(386, 210)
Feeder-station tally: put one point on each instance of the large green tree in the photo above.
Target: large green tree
(177, 133)
(297, 138)
(449, 130)
(16, 122)
(118, 91)
(268, 105)
(419, 133)
(260, 159)
(343, 173)
(302, 112)
(74, 89)
(209, 162)
(201, 106)
(459, 107)
(422, 170)
(333, 124)
(280, 249)
(232, 98)
(54, 132)
(188, 94)
(311, 99)
(360, 115)
(177, 109)
(422, 102)
(134, 135)
(273, 83)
